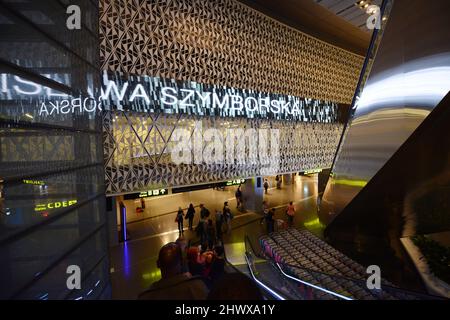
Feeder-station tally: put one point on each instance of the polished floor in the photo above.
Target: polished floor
(133, 264)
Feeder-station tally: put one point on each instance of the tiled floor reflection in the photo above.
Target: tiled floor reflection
(134, 263)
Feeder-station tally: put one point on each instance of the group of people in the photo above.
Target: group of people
(207, 231)
(193, 273)
(268, 216)
(205, 263)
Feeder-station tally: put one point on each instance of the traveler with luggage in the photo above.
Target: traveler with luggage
(290, 212)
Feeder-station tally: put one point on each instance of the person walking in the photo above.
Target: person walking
(179, 220)
(265, 211)
(219, 222)
(238, 196)
(266, 185)
(290, 211)
(190, 215)
(270, 222)
(227, 215)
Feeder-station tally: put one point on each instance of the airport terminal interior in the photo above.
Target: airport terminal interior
(224, 150)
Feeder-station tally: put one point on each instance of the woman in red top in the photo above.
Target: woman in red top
(290, 211)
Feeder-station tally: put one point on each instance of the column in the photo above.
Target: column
(287, 179)
(253, 194)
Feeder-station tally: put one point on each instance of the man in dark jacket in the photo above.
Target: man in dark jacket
(204, 212)
(190, 215)
(270, 222)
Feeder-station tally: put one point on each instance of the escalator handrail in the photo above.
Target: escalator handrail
(312, 285)
(260, 283)
(247, 240)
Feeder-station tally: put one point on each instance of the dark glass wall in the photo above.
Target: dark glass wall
(51, 159)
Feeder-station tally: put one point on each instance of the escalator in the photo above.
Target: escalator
(281, 281)
(275, 282)
(267, 273)
(270, 282)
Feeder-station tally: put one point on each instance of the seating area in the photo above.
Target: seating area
(310, 259)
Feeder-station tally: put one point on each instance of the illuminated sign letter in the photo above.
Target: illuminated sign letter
(184, 103)
(76, 103)
(85, 107)
(37, 88)
(112, 86)
(164, 94)
(264, 103)
(236, 100)
(248, 104)
(43, 109)
(204, 98)
(140, 92)
(285, 107)
(275, 106)
(65, 107)
(295, 109)
(55, 107)
(217, 102)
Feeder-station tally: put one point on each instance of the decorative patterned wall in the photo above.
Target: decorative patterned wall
(138, 149)
(222, 42)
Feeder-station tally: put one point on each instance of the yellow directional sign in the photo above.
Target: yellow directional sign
(54, 205)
